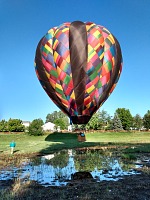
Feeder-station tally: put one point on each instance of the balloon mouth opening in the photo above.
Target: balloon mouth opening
(83, 119)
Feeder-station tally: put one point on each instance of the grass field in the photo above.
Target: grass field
(57, 141)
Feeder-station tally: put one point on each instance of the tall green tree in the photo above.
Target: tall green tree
(3, 126)
(125, 117)
(94, 122)
(104, 119)
(100, 120)
(146, 120)
(55, 116)
(137, 122)
(51, 117)
(35, 127)
(60, 122)
(116, 123)
(15, 125)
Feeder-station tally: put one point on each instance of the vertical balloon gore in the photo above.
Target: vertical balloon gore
(78, 65)
(78, 61)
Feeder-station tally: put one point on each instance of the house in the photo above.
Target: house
(48, 126)
(26, 123)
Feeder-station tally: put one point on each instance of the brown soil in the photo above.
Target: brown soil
(133, 187)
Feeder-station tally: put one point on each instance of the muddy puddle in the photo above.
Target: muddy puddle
(57, 169)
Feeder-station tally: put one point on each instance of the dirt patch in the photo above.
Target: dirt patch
(135, 187)
(15, 159)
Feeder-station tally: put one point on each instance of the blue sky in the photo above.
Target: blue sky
(24, 22)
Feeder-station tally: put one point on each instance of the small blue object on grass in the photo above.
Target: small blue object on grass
(12, 146)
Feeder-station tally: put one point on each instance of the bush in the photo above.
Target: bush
(15, 125)
(3, 126)
(35, 127)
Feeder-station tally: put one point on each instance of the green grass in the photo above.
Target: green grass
(57, 141)
(120, 137)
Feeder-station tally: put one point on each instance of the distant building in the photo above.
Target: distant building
(48, 126)
(26, 123)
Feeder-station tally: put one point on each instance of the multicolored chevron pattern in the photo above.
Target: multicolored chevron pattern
(54, 69)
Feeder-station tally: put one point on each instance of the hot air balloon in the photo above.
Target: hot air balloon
(78, 64)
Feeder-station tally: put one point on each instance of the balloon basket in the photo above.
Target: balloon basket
(81, 138)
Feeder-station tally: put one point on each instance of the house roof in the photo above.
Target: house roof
(49, 123)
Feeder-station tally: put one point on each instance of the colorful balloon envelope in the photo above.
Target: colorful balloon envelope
(78, 65)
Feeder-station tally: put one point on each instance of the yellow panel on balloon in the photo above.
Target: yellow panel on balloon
(52, 84)
(96, 47)
(89, 26)
(59, 86)
(101, 56)
(47, 74)
(72, 95)
(47, 47)
(55, 55)
(89, 48)
(96, 33)
(59, 71)
(55, 44)
(92, 54)
(51, 31)
(90, 89)
(65, 29)
(113, 61)
(68, 59)
(110, 37)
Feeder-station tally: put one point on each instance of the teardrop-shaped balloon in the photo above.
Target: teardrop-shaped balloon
(78, 65)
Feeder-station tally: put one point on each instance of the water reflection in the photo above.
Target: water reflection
(56, 169)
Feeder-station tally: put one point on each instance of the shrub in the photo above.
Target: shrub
(35, 127)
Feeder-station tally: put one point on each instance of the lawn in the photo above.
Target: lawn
(57, 141)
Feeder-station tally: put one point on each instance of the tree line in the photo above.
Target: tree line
(101, 120)
(12, 125)
(122, 120)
